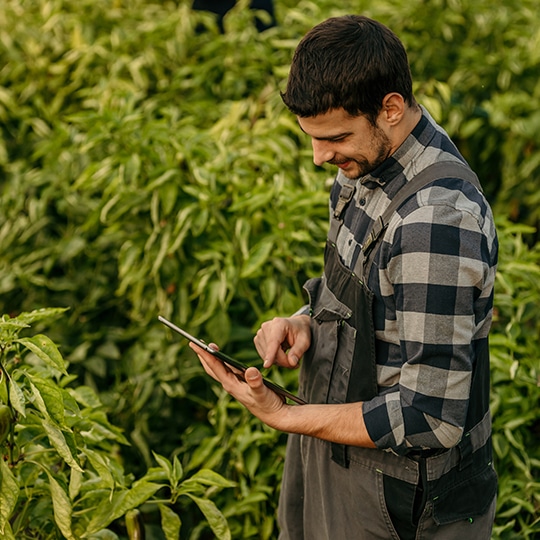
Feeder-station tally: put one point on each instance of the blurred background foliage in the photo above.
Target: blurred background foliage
(148, 166)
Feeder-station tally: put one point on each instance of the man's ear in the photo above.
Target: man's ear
(393, 108)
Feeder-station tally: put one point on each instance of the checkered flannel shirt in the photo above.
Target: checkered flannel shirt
(433, 283)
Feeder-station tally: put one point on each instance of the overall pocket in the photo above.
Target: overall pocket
(340, 365)
(469, 498)
(319, 365)
(343, 360)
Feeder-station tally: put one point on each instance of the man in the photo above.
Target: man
(395, 441)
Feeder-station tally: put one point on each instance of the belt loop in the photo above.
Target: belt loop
(340, 455)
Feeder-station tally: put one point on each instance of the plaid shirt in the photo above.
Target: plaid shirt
(433, 285)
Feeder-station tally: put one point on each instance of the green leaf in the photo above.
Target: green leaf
(12, 325)
(37, 315)
(215, 518)
(16, 397)
(121, 502)
(102, 429)
(170, 522)
(62, 508)
(48, 397)
(208, 477)
(257, 257)
(177, 473)
(165, 464)
(86, 396)
(102, 466)
(59, 442)
(75, 482)
(104, 534)
(8, 532)
(3, 386)
(44, 348)
(258, 200)
(9, 493)
(253, 460)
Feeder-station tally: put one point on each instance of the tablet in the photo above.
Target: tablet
(231, 361)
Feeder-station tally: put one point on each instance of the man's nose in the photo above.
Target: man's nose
(322, 152)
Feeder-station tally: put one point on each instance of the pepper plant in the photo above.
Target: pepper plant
(60, 475)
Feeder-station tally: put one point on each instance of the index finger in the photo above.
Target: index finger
(269, 344)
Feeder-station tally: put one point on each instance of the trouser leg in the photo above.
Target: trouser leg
(321, 500)
(291, 499)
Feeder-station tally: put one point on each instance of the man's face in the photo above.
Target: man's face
(352, 143)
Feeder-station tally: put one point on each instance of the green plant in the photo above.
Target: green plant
(515, 350)
(148, 166)
(60, 472)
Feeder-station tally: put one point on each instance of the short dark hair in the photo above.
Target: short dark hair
(348, 62)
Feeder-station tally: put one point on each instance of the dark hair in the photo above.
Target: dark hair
(348, 62)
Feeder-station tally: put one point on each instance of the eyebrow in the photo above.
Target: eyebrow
(330, 138)
(337, 137)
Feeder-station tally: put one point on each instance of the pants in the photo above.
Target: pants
(321, 500)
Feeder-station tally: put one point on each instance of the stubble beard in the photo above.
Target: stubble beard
(365, 166)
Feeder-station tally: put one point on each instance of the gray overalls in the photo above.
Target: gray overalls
(336, 492)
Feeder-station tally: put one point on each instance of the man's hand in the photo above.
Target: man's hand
(283, 341)
(342, 423)
(248, 388)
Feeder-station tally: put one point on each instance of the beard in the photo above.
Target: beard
(360, 166)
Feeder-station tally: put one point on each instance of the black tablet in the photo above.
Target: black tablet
(231, 361)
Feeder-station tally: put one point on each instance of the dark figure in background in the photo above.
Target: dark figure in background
(221, 7)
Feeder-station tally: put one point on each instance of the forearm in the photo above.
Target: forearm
(342, 424)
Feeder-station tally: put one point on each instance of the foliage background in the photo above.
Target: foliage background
(148, 166)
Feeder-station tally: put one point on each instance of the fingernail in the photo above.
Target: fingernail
(294, 359)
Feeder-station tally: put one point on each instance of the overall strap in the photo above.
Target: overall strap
(345, 195)
(436, 171)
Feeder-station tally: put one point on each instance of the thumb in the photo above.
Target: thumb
(301, 344)
(253, 378)
(294, 354)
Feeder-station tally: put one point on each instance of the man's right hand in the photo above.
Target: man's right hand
(283, 341)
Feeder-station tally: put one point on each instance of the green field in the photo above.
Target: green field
(148, 166)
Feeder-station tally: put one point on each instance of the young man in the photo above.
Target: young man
(395, 441)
